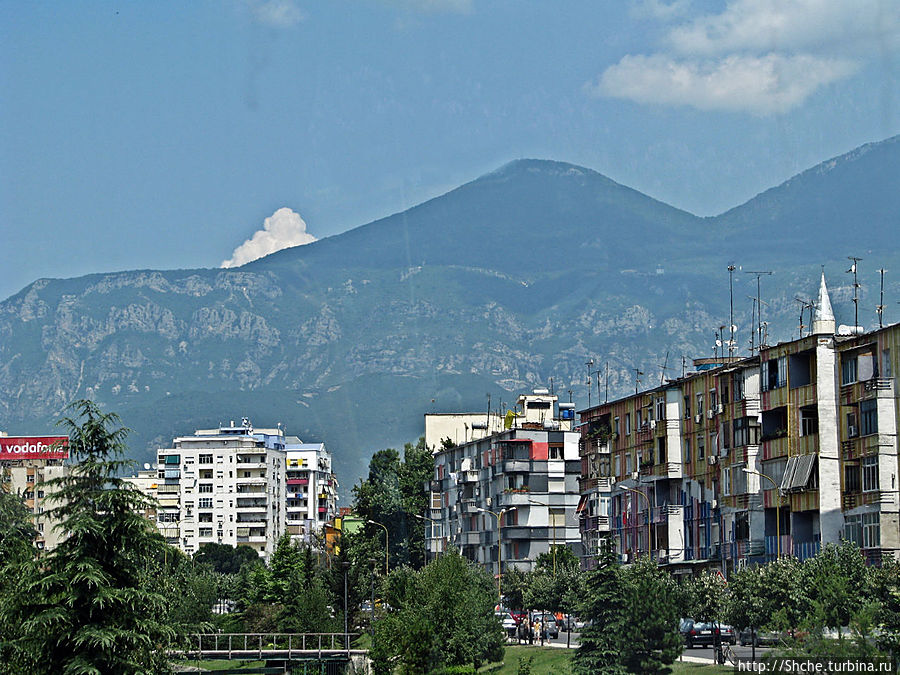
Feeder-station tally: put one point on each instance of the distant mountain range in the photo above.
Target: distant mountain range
(509, 282)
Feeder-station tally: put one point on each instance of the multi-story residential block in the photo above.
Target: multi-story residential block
(225, 486)
(311, 489)
(511, 495)
(748, 459)
(27, 463)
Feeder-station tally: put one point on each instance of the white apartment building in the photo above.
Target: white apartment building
(311, 489)
(224, 486)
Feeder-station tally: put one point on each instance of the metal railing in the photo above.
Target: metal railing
(267, 646)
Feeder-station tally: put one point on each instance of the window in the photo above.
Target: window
(628, 463)
(886, 369)
(851, 478)
(852, 425)
(870, 473)
(773, 373)
(205, 532)
(661, 450)
(713, 400)
(848, 369)
(204, 517)
(809, 421)
(687, 407)
(741, 526)
(868, 417)
(701, 448)
(205, 459)
(745, 432)
(726, 481)
(204, 503)
(616, 426)
(853, 529)
(435, 500)
(660, 408)
(556, 451)
(737, 381)
(205, 488)
(687, 450)
(639, 419)
(871, 530)
(627, 424)
(700, 398)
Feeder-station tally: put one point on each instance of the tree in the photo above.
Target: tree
(226, 559)
(17, 564)
(88, 609)
(601, 640)
(443, 616)
(652, 641)
(746, 605)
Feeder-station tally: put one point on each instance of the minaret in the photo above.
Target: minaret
(823, 323)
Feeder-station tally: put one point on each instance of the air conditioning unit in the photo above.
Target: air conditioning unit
(713, 459)
(720, 408)
(710, 413)
(652, 424)
(853, 431)
(698, 418)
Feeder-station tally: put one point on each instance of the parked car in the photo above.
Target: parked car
(700, 633)
(758, 637)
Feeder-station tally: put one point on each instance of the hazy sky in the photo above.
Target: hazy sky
(166, 135)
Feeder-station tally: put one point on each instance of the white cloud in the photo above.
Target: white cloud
(276, 13)
(757, 56)
(760, 85)
(818, 26)
(282, 229)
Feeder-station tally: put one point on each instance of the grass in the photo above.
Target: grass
(555, 661)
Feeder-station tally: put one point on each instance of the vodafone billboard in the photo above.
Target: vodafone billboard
(34, 447)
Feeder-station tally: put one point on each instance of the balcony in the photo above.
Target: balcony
(514, 498)
(516, 466)
(298, 481)
(468, 506)
(251, 503)
(469, 538)
(467, 477)
(251, 480)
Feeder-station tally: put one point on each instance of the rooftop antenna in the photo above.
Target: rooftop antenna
(879, 309)
(731, 269)
(570, 395)
(606, 400)
(637, 379)
(804, 304)
(759, 304)
(589, 363)
(852, 270)
(752, 319)
(683, 366)
(665, 367)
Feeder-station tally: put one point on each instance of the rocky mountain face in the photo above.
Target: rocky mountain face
(506, 283)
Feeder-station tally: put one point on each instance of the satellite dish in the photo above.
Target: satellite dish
(733, 327)
(146, 466)
(718, 343)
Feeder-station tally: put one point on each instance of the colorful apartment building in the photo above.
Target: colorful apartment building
(747, 459)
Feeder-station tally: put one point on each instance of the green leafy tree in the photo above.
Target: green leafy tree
(837, 584)
(88, 609)
(17, 568)
(747, 605)
(652, 641)
(226, 559)
(443, 617)
(601, 645)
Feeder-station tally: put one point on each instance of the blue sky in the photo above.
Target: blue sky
(165, 135)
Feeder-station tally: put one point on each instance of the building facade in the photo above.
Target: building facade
(505, 498)
(310, 491)
(748, 459)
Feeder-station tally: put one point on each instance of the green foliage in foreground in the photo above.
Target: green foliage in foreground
(443, 617)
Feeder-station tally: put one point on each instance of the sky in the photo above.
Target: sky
(164, 135)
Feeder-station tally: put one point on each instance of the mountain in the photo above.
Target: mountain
(508, 282)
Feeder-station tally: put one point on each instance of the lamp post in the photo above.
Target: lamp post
(646, 499)
(498, 515)
(777, 509)
(386, 545)
(426, 538)
(552, 525)
(345, 566)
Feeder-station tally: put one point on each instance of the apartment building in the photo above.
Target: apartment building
(27, 463)
(311, 489)
(747, 459)
(505, 498)
(225, 486)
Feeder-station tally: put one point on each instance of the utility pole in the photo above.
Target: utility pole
(880, 308)
(855, 290)
(731, 269)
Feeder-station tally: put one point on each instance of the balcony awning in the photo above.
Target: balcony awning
(582, 503)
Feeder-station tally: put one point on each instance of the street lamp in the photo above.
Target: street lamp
(649, 514)
(416, 515)
(552, 525)
(386, 545)
(497, 515)
(777, 509)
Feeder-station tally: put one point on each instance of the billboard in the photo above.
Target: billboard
(34, 447)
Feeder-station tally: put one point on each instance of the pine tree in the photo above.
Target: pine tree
(87, 608)
(601, 641)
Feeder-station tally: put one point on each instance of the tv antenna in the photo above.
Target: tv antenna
(589, 363)
(879, 308)
(852, 271)
(637, 379)
(759, 324)
(665, 367)
(731, 269)
(804, 305)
